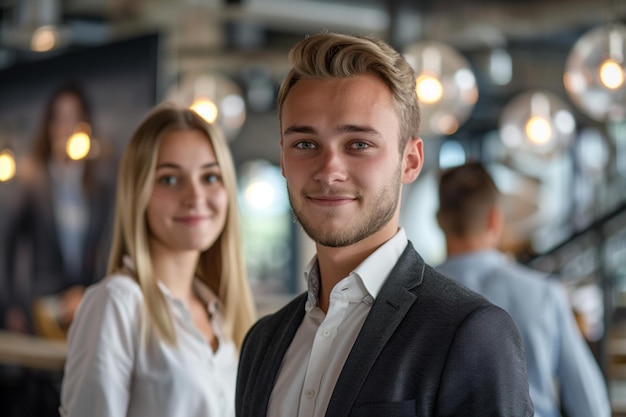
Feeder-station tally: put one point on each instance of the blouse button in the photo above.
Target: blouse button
(310, 393)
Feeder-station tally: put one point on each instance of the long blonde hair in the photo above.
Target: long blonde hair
(220, 267)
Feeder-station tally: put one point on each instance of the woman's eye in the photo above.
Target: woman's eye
(168, 180)
(212, 178)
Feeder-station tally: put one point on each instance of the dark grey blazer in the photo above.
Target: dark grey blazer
(32, 240)
(429, 347)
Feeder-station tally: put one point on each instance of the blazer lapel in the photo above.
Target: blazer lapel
(273, 357)
(388, 311)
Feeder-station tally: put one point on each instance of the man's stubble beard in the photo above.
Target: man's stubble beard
(383, 208)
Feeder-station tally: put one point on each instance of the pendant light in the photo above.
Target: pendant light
(595, 76)
(445, 85)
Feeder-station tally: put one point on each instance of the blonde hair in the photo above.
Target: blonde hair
(220, 267)
(332, 55)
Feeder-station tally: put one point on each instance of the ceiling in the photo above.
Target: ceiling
(267, 24)
(235, 36)
(243, 37)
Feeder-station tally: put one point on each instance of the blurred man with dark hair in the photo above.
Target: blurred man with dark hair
(563, 374)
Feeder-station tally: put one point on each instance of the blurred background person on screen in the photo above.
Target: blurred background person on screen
(56, 241)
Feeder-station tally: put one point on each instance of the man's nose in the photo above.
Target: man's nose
(332, 167)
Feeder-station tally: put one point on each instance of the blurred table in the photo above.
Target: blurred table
(32, 351)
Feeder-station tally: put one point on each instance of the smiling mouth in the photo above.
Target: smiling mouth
(191, 220)
(331, 200)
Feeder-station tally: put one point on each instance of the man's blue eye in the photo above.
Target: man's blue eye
(304, 145)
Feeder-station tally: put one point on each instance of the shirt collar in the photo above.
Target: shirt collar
(207, 295)
(372, 272)
(480, 258)
(375, 269)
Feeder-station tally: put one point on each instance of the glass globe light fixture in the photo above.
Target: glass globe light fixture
(215, 97)
(445, 86)
(537, 122)
(595, 73)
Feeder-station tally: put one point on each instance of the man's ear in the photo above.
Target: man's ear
(412, 160)
(282, 167)
(495, 222)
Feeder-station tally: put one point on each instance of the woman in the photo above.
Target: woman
(160, 335)
(55, 242)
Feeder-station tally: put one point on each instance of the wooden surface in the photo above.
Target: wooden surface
(32, 351)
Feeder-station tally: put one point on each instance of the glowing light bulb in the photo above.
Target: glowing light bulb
(611, 74)
(205, 108)
(44, 39)
(538, 130)
(536, 122)
(429, 89)
(214, 97)
(7, 165)
(78, 146)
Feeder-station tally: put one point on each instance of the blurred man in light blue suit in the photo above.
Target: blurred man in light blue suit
(563, 374)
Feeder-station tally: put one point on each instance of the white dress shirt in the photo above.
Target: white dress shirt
(110, 373)
(71, 212)
(319, 349)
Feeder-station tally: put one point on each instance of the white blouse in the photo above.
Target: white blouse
(109, 374)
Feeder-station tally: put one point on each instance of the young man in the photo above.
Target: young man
(563, 374)
(379, 332)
